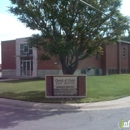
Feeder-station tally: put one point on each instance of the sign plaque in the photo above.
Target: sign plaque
(65, 86)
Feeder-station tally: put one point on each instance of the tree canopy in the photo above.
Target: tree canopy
(127, 38)
(69, 29)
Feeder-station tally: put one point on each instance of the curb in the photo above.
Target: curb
(114, 104)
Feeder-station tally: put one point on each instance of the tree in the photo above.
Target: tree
(127, 38)
(70, 30)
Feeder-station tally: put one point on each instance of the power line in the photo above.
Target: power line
(93, 7)
(96, 9)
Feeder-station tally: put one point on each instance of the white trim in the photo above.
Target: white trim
(24, 49)
(120, 41)
(18, 42)
(35, 62)
(18, 69)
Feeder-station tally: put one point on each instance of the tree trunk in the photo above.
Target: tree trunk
(68, 69)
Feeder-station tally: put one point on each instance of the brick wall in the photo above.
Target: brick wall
(92, 62)
(129, 58)
(83, 64)
(114, 60)
(8, 55)
(110, 58)
(48, 65)
(124, 59)
(53, 64)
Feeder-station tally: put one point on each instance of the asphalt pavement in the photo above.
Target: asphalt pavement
(12, 118)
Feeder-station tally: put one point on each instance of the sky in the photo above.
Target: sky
(11, 28)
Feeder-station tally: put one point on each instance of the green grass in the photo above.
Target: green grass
(99, 88)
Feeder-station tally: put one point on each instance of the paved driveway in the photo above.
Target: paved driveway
(14, 118)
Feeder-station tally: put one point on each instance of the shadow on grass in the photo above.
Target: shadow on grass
(36, 96)
(23, 80)
(32, 96)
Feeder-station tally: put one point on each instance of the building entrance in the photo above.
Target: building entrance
(26, 67)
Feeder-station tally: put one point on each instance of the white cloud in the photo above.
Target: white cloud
(125, 9)
(0, 53)
(11, 28)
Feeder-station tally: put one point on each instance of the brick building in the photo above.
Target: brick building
(18, 59)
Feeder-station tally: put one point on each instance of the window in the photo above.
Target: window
(25, 49)
(96, 56)
(22, 46)
(124, 53)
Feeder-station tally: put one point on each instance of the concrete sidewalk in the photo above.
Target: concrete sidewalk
(119, 103)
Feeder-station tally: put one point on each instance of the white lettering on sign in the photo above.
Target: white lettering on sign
(65, 86)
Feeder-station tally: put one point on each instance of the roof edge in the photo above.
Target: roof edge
(127, 42)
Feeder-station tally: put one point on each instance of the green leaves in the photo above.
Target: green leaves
(70, 28)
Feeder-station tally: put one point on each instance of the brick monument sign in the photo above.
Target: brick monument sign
(63, 86)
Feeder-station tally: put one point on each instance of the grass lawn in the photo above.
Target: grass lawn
(99, 88)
